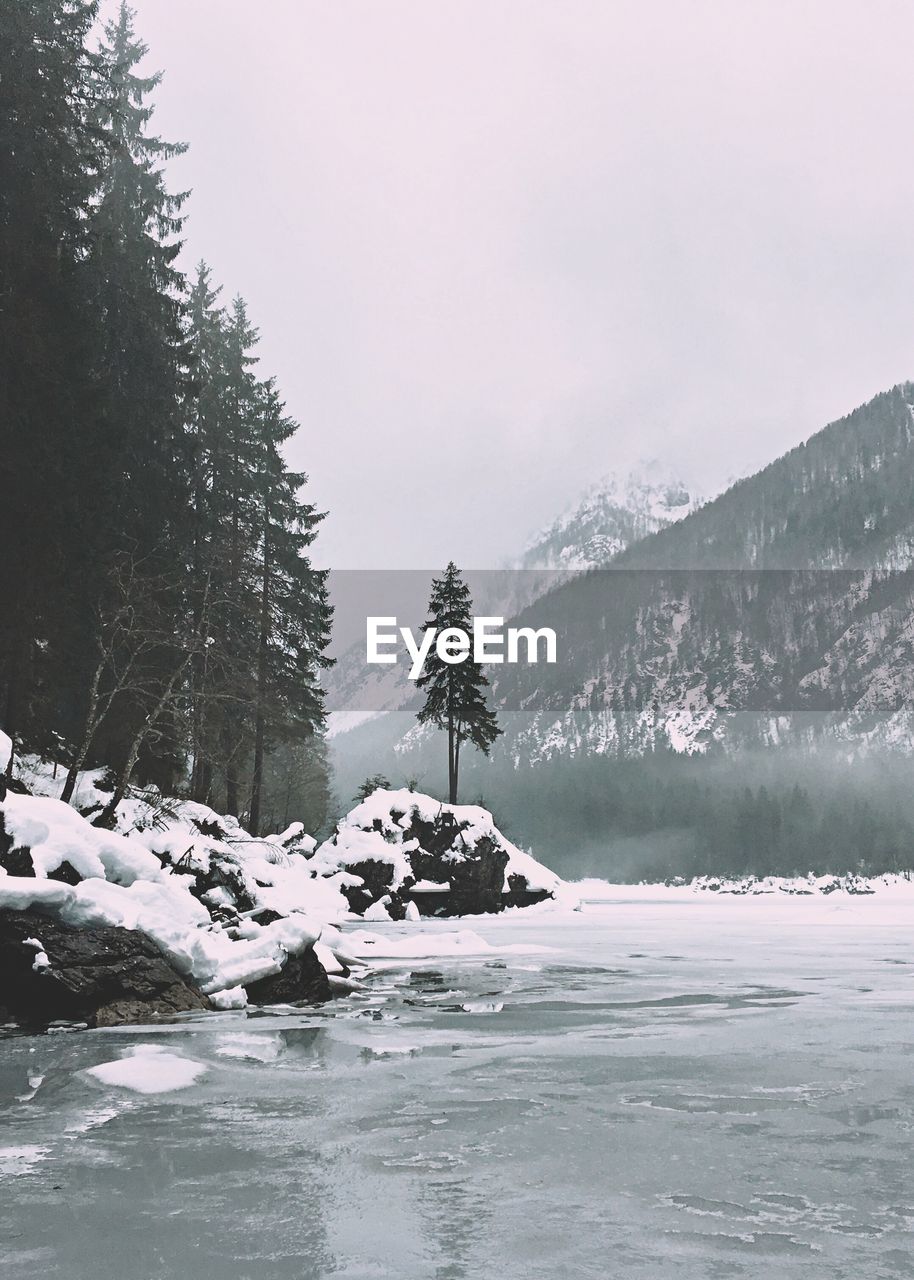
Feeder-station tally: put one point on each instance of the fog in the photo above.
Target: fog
(496, 250)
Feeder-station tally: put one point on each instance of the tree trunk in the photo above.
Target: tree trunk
(107, 815)
(89, 729)
(232, 781)
(451, 770)
(199, 783)
(451, 763)
(202, 770)
(16, 675)
(197, 682)
(231, 789)
(202, 781)
(262, 653)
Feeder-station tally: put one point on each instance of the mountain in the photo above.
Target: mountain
(619, 510)
(780, 612)
(733, 692)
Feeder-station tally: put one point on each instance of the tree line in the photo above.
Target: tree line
(158, 608)
(665, 815)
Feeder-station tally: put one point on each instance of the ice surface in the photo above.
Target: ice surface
(429, 944)
(18, 1160)
(685, 1085)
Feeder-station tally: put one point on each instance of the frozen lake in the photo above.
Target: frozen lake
(683, 1086)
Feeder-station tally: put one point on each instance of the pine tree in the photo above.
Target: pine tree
(137, 294)
(157, 601)
(205, 333)
(49, 425)
(294, 624)
(456, 698)
(255, 685)
(235, 500)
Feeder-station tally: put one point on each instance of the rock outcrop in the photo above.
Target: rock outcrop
(301, 980)
(50, 971)
(403, 853)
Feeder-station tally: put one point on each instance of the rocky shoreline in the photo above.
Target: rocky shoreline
(180, 910)
(52, 972)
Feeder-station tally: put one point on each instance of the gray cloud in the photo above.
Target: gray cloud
(496, 250)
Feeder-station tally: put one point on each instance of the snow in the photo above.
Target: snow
(55, 833)
(327, 959)
(21, 893)
(229, 998)
(41, 960)
(186, 876)
(375, 830)
(127, 885)
(149, 1069)
(611, 514)
(800, 901)
(378, 910)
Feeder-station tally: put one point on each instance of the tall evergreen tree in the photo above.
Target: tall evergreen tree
(137, 293)
(255, 685)
(456, 691)
(203, 418)
(235, 495)
(49, 426)
(294, 610)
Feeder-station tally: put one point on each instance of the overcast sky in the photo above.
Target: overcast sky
(498, 249)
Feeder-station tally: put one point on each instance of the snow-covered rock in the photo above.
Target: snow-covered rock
(52, 971)
(226, 909)
(237, 916)
(401, 847)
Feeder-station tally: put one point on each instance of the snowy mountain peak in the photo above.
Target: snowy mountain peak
(616, 511)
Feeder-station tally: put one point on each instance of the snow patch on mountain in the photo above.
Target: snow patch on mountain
(613, 513)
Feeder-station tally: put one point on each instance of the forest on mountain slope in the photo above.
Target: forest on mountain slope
(790, 597)
(158, 609)
(843, 499)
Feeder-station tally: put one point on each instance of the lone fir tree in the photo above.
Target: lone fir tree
(456, 691)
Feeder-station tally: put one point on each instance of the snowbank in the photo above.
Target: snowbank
(807, 886)
(191, 880)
